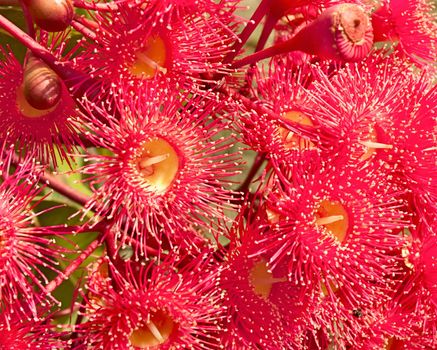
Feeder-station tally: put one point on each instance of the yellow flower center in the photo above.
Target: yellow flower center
(290, 139)
(155, 332)
(370, 145)
(157, 164)
(393, 343)
(333, 217)
(262, 280)
(332, 287)
(150, 59)
(273, 217)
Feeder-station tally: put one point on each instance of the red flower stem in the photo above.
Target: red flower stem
(110, 244)
(80, 316)
(93, 6)
(89, 23)
(29, 21)
(73, 266)
(57, 185)
(77, 229)
(85, 142)
(259, 160)
(37, 49)
(268, 27)
(65, 312)
(248, 30)
(62, 188)
(78, 25)
(280, 48)
(113, 256)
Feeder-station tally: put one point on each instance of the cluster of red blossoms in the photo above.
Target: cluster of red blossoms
(221, 197)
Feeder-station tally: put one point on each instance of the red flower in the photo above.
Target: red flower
(336, 227)
(32, 130)
(19, 332)
(408, 319)
(24, 249)
(166, 170)
(410, 22)
(135, 44)
(421, 258)
(376, 111)
(264, 309)
(158, 305)
(175, 10)
(281, 91)
(412, 132)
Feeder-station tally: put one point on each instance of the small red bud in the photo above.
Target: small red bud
(41, 86)
(51, 15)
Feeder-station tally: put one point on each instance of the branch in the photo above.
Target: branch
(37, 49)
(260, 157)
(62, 188)
(73, 266)
(248, 30)
(29, 20)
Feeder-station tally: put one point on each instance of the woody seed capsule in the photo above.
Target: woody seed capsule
(41, 86)
(51, 15)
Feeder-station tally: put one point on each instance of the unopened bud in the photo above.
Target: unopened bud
(51, 15)
(41, 85)
(343, 32)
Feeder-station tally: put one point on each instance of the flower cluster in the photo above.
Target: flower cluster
(163, 187)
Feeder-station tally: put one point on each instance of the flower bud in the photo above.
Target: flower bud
(41, 86)
(51, 15)
(343, 32)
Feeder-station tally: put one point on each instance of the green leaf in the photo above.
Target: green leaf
(15, 15)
